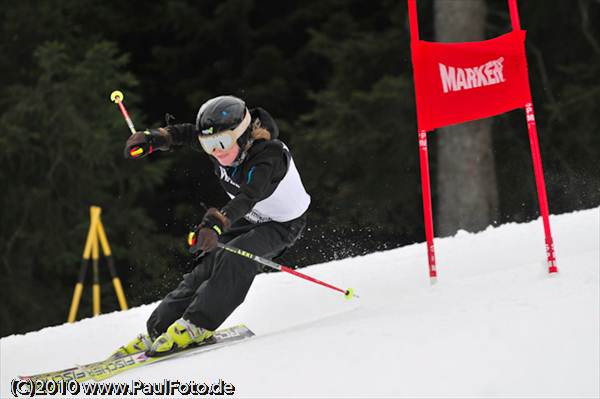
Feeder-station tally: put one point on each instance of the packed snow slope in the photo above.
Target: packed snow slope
(495, 325)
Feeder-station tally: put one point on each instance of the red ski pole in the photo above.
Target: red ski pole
(117, 97)
(349, 293)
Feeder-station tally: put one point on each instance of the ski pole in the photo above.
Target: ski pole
(349, 293)
(117, 97)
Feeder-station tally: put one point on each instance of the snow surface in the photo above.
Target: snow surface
(495, 325)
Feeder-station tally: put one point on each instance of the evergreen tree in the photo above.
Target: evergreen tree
(359, 143)
(62, 152)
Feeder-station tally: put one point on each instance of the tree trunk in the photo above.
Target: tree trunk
(466, 175)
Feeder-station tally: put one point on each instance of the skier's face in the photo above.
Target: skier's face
(226, 157)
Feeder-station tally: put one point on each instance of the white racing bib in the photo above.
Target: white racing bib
(289, 200)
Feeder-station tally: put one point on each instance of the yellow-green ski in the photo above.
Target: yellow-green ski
(104, 369)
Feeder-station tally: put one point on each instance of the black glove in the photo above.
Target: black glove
(206, 236)
(140, 144)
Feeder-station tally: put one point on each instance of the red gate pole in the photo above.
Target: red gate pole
(540, 184)
(427, 208)
(514, 14)
(535, 155)
(424, 157)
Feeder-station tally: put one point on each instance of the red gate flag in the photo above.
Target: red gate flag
(460, 82)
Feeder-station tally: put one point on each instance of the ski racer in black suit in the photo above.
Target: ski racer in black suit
(266, 215)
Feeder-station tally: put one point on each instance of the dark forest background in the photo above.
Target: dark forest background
(335, 74)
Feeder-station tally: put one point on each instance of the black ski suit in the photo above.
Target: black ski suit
(268, 214)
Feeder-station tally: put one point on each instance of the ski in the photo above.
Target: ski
(108, 368)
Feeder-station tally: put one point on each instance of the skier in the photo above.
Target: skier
(266, 215)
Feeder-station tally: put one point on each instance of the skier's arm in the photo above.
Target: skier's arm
(262, 178)
(184, 134)
(162, 139)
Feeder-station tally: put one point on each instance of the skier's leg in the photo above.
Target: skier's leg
(232, 275)
(174, 304)
(226, 287)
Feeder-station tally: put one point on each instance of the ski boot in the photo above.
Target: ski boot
(141, 343)
(180, 335)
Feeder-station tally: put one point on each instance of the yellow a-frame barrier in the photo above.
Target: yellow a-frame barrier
(96, 233)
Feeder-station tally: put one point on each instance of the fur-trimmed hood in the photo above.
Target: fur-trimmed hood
(263, 125)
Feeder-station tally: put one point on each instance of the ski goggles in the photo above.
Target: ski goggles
(225, 139)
